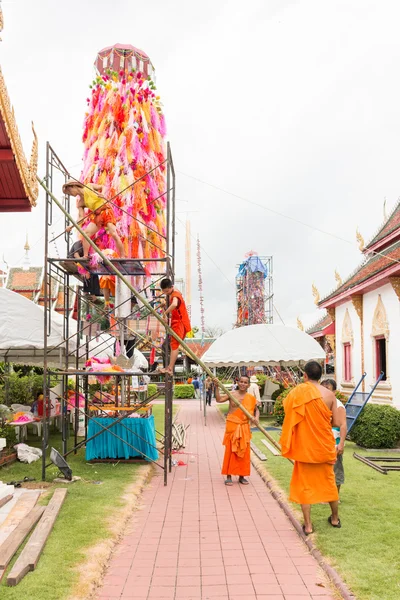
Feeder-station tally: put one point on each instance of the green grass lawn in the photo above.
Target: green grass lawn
(82, 521)
(366, 550)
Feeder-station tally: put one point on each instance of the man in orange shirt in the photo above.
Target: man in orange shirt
(180, 322)
(310, 411)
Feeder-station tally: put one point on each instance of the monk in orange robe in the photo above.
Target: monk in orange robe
(237, 432)
(180, 322)
(307, 438)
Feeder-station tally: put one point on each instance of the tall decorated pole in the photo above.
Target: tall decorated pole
(124, 138)
(254, 291)
(202, 320)
(188, 268)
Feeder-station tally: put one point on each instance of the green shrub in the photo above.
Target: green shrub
(378, 426)
(151, 389)
(261, 379)
(8, 432)
(277, 393)
(280, 395)
(183, 391)
(23, 389)
(20, 390)
(279, 413)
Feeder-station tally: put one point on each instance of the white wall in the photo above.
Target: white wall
(388, 392)
(356, 345)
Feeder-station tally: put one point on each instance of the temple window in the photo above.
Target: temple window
(347, 361)
(380, 356)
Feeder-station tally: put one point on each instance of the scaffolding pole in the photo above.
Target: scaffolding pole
(60, 271)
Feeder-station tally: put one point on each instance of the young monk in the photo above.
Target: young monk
(180, 322)
(237, 432)
(101, 213)
(310, 411)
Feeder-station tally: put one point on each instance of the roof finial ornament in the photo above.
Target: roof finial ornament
(300, 324)
(384, 209)
(26, 263)
(4, 268)
(315, 293)
(338, 279)
(360, 240)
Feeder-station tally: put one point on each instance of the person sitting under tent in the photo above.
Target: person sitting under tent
(101, 214)
(180, 322)
(310, 410)
(237, 432)
(339, 433)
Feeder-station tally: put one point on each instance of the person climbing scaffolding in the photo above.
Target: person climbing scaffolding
(101, 214)
(180, 322)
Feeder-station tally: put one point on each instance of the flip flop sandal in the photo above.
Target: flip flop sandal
(306, 532)
(228, 482)
(243, 481)
(338, 525)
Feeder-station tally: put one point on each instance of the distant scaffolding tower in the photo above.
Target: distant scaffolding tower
(254, 290)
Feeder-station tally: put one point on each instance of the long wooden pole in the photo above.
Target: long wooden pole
(158, 317)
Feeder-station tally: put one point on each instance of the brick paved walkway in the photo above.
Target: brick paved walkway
(198, 539)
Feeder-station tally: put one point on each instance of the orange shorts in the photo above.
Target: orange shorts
(102, 217)
(179, 329)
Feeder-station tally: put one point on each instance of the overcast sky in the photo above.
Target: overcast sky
(293, 105)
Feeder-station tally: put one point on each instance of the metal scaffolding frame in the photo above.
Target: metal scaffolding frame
(71, 355)
(257, 309)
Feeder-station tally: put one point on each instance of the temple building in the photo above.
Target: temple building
(365, 312)
(18, 184)
(324, 332)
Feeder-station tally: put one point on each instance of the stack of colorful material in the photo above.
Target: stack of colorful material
(124, 137)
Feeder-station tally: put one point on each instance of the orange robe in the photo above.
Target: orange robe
(180, 321)
(307, 439)
(237, 440)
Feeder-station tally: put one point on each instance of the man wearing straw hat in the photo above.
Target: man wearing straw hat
(101, 213)
(254, 389)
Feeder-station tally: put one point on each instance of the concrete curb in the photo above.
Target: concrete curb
(329, 571)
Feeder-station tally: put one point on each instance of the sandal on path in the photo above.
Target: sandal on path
(228, 482)
(243, 481)
(338, 524)
(306, 532)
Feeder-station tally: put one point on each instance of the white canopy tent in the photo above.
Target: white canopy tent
(22, 332)
(263, 345)
(22, 335)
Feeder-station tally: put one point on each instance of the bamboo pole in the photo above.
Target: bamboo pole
(158, 317)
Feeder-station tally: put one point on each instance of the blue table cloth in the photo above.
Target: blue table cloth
(106, 445)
